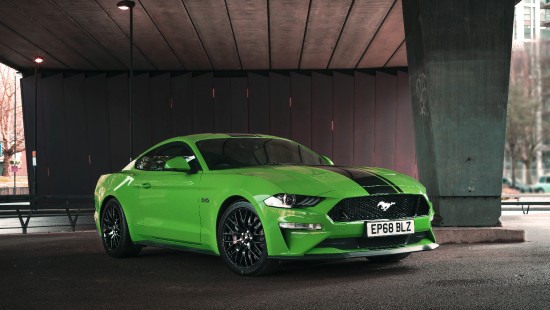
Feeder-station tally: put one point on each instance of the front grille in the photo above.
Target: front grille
(383, 242)
(372, 208)
(372, 243)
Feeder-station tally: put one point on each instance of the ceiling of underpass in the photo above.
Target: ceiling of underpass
(196, 35)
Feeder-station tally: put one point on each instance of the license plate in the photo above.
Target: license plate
(389, 228)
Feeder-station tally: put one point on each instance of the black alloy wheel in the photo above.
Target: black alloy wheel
(114, 231)
(242, 243)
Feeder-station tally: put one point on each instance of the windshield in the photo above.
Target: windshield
(230, 153)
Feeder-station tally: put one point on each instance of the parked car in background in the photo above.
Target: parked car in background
(521, 187)
(543, 185)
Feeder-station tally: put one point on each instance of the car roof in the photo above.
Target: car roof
(209, 136)
(191, 139)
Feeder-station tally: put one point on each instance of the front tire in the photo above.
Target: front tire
(114, 231)
(388, 258)
(242, 243)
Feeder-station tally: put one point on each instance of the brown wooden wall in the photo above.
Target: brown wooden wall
(83, 120)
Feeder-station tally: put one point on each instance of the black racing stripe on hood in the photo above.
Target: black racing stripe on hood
(374, 183)
(399, 190)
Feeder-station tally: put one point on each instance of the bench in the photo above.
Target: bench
(517, 202)
(24, 207)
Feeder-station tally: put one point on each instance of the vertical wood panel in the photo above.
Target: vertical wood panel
(27, 92)
(279, 109)
(97, 113)
(55, 137)
(182, 101)
(143, 115)
(84, 122)
(161, 109)
(363, 119)
(405, 149)
(342, 109)
(42, 159)
(203, 106)
(239, 105)
(258, 103)
(222, 104)
(321, 114)
(300, 112)
(77, 136)
(119, 120)
(384, 139)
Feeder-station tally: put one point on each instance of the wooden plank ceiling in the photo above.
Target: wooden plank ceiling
(197, 35)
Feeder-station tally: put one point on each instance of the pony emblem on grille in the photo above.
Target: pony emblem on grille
(385, 205)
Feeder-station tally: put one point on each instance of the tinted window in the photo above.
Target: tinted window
(246, 152)
(155, 159)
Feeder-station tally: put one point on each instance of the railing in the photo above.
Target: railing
(529, 200)
(24, 207)
(14, 191)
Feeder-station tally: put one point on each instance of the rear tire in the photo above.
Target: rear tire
(242, 243)
(384, 259)
(114, 231)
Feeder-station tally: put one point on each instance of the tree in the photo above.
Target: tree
(527, 128)
(12, 142)
(521, 141)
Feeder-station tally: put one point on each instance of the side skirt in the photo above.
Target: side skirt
(172, 246)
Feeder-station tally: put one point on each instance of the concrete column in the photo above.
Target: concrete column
(459, 66)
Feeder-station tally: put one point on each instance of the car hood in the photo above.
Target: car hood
(339, 180)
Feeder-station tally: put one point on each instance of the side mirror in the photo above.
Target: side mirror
(327, 160)
(177, 164)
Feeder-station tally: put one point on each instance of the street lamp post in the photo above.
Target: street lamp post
(37, 61)
(129, 5)
(14, 127)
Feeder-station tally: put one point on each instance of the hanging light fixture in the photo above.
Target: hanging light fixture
(126, 5)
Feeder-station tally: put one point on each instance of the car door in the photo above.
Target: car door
(169, 199)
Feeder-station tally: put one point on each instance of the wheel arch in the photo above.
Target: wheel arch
(130, 223)
(104, 202)
(225, 204)
(273, 234)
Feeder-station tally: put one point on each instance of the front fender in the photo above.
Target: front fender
(222, 188)
(121, 186)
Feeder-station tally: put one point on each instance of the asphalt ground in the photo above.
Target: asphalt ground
(71, 271)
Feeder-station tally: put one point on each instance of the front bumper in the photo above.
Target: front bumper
(408, 249)
(336, 239)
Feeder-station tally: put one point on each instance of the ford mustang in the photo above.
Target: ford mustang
(255, 200)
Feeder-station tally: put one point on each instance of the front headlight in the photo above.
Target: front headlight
(292, 201)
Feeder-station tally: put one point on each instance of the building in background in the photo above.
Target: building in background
(530, 80)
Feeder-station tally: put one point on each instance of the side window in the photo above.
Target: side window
(155, 159)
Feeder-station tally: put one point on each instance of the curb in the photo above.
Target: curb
(450, 235)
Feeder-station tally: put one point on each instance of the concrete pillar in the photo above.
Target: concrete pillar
(459, 66)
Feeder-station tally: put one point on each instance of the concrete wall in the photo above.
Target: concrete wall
(459, 64)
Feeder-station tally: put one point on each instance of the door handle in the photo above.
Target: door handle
(146, 185)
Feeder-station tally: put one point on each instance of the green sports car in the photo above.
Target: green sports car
(257, 199)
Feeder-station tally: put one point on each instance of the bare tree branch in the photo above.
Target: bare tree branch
(13, 142)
